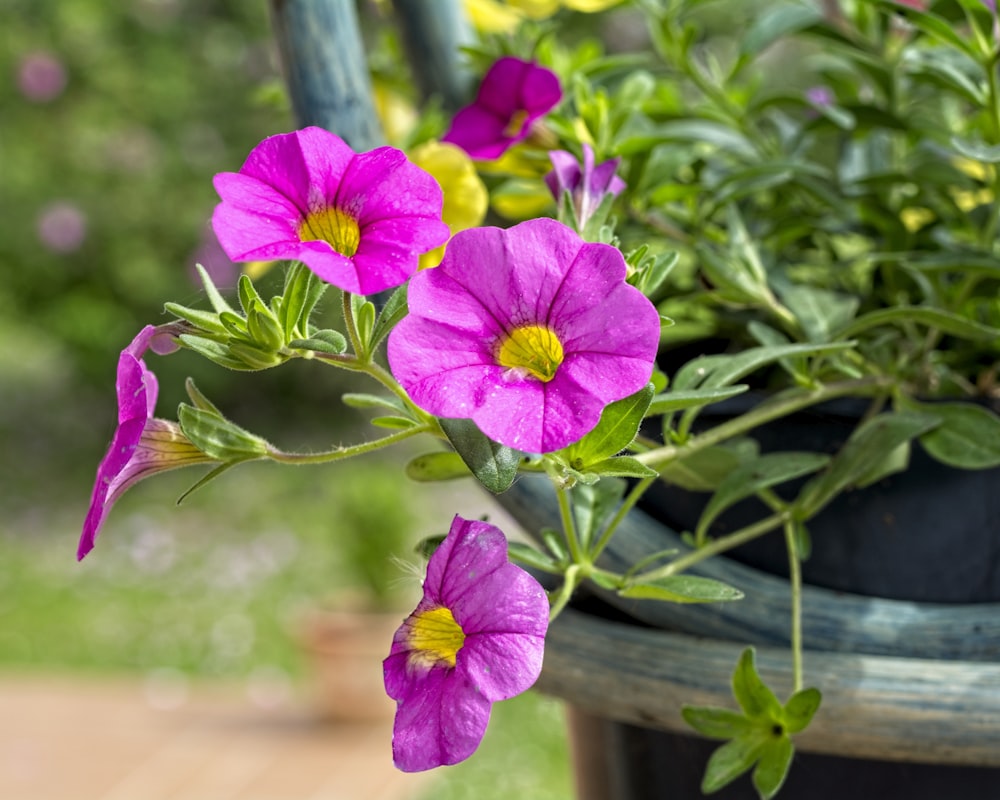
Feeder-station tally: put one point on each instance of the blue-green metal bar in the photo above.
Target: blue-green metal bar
(326, 68)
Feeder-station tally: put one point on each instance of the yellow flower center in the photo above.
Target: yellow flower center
(435, 638)
(533, 348)
(516, 124)
(339, 229)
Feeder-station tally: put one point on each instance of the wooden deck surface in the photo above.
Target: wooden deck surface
(78, 738)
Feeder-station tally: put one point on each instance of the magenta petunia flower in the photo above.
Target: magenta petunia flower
(142, 445)
(358, 220)
(476, 637)
(513, 94)
(587, 185)
(530, 332)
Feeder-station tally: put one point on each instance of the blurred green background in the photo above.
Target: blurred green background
(114, 118)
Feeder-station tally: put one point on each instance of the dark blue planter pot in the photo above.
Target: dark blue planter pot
(901, 634)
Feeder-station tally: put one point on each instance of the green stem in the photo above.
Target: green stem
(352, 329)
(561, 597)
(795, 575)
(340, 453)
(713, 548)
(569, 529)
(627, 504)
(781, 407)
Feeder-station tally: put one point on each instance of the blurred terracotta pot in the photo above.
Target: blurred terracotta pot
(344, 651)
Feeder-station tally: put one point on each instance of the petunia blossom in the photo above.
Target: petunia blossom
(586, 184)
(529, 331)
(512, 96)
(476, 637)
(358, 220)
(142, 445)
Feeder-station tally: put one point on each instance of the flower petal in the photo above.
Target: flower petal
(440, 722)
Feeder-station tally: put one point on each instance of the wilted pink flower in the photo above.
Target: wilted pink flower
(820, 96)
(476, 637)
(530, 332)
(142, 445)
(61, 227)
(358, 220)
(587, 185)
(513, 94)
(41, 77)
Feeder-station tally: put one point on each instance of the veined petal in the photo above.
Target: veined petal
(442, 722)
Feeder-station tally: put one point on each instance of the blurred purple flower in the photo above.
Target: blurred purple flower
(529, 331)
(223, 271)
(513, 94)
(820, 96)
(587, 185)
(476, 637)
(41, 77)
(61, 227)
(358, 220)
(142, 445)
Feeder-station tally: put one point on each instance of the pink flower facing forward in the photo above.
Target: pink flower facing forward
(476, 637)
(513, 94)
(142, 445)
(587, 185)
(358, 220)
(530, 332)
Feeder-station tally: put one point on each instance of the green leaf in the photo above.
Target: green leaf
(324, 341)
(968, 436)
(264, 329)
(392, 312)
(530, 557)
(945, 321)
(775, 22)
(593, 505)
(731, 760)
(217, 437)
(248, 295)
(494, 465)
(867, 446)
(217, 300)
(440, 466)
(363, 400)
(700, 132)
(976, 150)
(711, 372)
(748, 479)
(615, 431)
(819, 311)
(896, 460)
(692, 398)
(198, 399)
(205, 320)
(393, 422)
(621, 467)
(715, 723)
(254, 357)
(772, 766)
(753, 695)
(932, 25)
(364, 318)
(800, 709)
(213, 351)
(704, 470)
(683, 589)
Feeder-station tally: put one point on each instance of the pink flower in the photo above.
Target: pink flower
(530, 332)
(587, 185)
(512, 96)
(476, 637)
(358, 220)
(41, 77)
(61, 227)
(142, 445)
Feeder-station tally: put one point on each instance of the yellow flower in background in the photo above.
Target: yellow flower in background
(495, 16)
(915, 217)
(518, 199)
(465, 195)
(395, 112)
